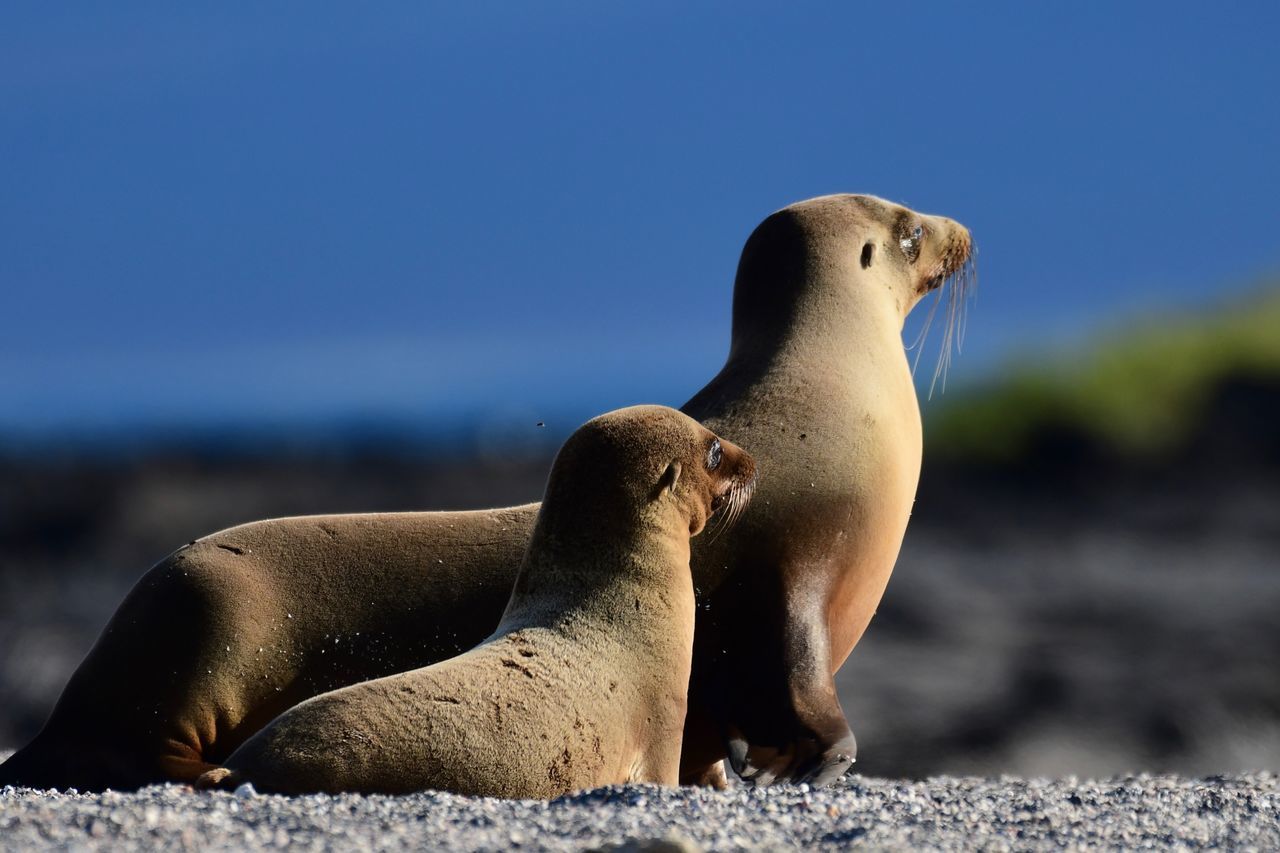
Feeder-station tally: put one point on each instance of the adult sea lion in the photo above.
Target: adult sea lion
(225, 634)
(584, 681)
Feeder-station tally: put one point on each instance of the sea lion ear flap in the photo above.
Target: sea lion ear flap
(670, 477)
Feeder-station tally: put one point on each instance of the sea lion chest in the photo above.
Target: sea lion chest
(838, 452)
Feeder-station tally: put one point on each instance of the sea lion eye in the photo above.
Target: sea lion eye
(908, 244)
(714, 455)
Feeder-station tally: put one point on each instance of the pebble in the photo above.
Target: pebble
(943, 813)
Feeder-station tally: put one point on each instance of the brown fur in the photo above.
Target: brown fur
(583, 682)
(201, 654)
(817, 384)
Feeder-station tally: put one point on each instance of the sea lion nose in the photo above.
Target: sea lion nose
(961, 241)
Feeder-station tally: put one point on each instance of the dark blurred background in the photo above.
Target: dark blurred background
(260, 262)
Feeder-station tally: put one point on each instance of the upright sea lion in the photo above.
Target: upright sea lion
(584, 681)
(228, 632)
(817, 384)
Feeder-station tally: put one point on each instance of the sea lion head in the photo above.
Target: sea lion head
(821, 262)
(651, 465)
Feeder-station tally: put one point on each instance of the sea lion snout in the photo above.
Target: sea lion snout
(946, 252)
(734, 485)
(737, 471)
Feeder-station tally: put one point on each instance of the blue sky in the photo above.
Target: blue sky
(274, 214)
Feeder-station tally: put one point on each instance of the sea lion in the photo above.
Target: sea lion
(818, 385)
(225, 634)
(583, 683)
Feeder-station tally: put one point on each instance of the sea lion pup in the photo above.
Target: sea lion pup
(583, 683)
(225, 634)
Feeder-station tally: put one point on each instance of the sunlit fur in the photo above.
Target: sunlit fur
(582, 684)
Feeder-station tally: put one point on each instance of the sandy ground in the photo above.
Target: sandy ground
(942, 813)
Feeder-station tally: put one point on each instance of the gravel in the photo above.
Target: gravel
(943, 813)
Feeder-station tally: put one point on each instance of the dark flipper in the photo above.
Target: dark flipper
(762, 676)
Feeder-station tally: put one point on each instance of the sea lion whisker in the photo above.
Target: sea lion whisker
(743, 498)
(971, 289)
(719, 526)
(737, 502)
(948, 337)
(960, 283)
(918, 343)
(717, 523)
(738, 497)
(721, 516)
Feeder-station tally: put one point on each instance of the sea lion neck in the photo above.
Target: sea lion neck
(801, 285)
(574, 567)
(829, 310)
(593, 543)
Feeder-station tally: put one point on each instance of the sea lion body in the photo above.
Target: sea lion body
(817, 380)
(230, 631)
(816, 384)
(584, 681)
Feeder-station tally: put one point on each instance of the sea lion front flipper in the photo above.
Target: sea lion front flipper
(805, 736)
(828, 764)
(817, 755)
(823, 746)
(759, 765)
(810, 759)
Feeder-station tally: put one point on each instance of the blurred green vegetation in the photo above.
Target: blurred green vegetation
(1136, 392)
